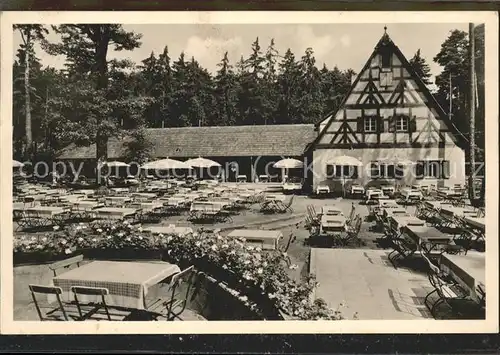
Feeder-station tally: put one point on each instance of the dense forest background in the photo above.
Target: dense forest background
(94, 98)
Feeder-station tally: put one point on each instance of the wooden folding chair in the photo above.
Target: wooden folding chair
(181, 287)
(446, 289)
(66, 263)
(53, 314)
(403, 249)
(94, 307)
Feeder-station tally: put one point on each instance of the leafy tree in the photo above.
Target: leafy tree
(29, 35)
(335, 85)
(421, 67)
(138, 146)
(86, 48)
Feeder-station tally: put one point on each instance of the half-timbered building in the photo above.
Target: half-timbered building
(391, 123)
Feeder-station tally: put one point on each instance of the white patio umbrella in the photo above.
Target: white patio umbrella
(344, 160)
(17, 164)
(288, 163)
(115, 164)
(166, 164)
(202, 163)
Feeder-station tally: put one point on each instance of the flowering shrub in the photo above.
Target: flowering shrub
(254, 274)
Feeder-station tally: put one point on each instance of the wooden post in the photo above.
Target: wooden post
(472, 118)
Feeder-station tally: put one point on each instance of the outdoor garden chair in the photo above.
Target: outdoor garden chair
(351, 214)
(447, 290)
(58, 313)
(181, 289)
(21, 219)
(403, 249)
(287, 207)
(352, 231)
(92, 308)
(66, 263)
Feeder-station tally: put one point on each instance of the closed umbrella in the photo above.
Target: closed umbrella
(344, 160)
(166, 164)
(17, 164)
(202, 163)
(288, 163)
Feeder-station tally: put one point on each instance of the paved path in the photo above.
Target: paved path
(365, 282)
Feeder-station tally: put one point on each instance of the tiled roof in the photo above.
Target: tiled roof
(264, 140)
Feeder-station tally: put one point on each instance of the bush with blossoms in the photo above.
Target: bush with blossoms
(256, 272)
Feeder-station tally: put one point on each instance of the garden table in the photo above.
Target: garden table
(280, 198)
(468, 270)
(115, 213)
(394, 211)
(128, 283)
(46, 211)
(118, 200)
(119, 189)
(476, 222)
(83, 192)
(241, 178)
(149, 206)
(409, 194)
(322, 190)
(266, 239)
(388, 189)
(357, 190)
(426, 237)
(288, 186)
(168, 230)
(332, 223)
(331, 210)
(372, 192)
(449, 212)
(400, 221)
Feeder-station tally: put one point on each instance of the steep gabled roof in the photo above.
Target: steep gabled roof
(385, 41)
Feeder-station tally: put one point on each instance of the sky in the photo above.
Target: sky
(344, 45)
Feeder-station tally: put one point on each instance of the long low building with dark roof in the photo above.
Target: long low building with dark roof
(251, 147)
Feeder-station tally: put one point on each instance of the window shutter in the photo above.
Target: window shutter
(419, 173)
(360, 124)
(413, 124)
(445, 169)
(392, 123)
(380, 124)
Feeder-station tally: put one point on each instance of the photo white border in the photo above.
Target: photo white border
(489, 325)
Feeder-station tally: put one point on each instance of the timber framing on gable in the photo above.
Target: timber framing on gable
(405, 97)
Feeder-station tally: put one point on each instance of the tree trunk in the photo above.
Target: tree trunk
(29, 136)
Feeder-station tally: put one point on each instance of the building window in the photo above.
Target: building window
(401, 123)
(370, 124)
(382, 171)
(341, 172)
(434, 169)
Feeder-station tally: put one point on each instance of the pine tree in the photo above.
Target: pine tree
(311, 99)
(288, 86)
(225, 93)
(421, 67)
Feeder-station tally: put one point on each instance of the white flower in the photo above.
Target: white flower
(121, 234)
(260, 271)
(113, 227)
(224, 267)
(55, 228)
(99, 230)
(232, 252)
(264, 264)
(197, 244)
(63, 242)
(80, 239)
(139, 229)
(213, 247)
(224, 246)
(78, 227)
(195, 234)
(94, 239)
(27, 246)
(128, 239)
(258, 249)
(140, 237)
(160, 235)
(39, 246)
(244, 298)
(44, 239)
(169, 239)
(68, 251)
(246, 262)
(108, 237)
(81, 223)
